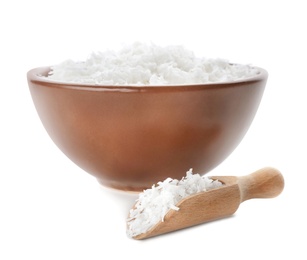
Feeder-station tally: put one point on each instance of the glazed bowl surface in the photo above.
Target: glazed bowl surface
(130, 137)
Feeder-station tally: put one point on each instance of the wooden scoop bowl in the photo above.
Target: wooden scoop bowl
(221, 202)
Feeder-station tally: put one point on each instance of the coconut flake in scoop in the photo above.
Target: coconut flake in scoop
(153, 204)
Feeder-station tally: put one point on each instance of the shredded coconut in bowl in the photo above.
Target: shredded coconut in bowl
(148, 64)
(153, 204)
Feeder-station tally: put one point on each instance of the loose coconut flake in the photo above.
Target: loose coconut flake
(153, 204)
(143, 64)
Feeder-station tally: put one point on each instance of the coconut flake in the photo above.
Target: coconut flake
(144, 64)
(153, 204)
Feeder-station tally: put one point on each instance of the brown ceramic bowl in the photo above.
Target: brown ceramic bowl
(130, 137)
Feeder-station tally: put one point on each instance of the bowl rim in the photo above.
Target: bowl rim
(38, 76)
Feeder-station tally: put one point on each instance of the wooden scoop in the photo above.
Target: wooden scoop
(220, 202)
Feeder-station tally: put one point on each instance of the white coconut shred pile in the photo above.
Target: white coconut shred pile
(153, 204)
(148, 64)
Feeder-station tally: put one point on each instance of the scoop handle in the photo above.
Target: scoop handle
(264, 183)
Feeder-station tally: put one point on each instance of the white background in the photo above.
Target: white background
(51, 209)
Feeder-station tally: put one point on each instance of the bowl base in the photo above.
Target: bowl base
(125, 188)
